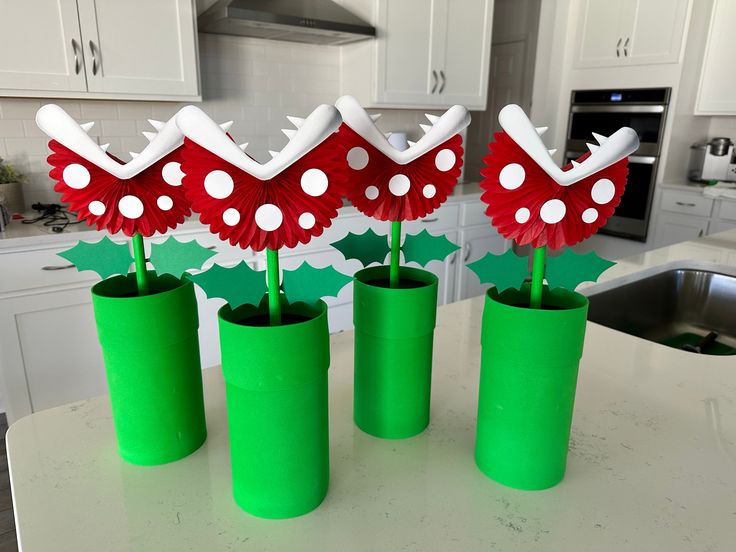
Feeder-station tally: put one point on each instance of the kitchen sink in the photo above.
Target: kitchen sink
(686, 307)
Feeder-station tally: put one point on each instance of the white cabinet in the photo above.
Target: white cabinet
(99, 49)
(673, 228)
(427, 53)
(630, 32)
(716, 92)
(475, 242)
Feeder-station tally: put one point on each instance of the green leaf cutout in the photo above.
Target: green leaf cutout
(238, 285)
(423, 248)
(175, 257)
(368, 247)
(104, 257)
(506, 270)
(570, 269)
(308, 284)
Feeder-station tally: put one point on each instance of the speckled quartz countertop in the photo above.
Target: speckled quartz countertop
(652, 462)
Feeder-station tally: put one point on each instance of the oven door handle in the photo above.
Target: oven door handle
(617, 109)
(638, 159)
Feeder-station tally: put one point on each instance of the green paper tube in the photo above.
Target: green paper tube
(538, 259)
(139, 256)
(151, 353)
(274, 289)
(395, 258)
(528, 375)
(394, 329)
(276, 385)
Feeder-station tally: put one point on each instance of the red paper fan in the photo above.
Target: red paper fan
(290, 208)
(528, 206)
(385, 190)
(151, 201)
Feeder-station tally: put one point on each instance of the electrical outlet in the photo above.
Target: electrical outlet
(731, 172)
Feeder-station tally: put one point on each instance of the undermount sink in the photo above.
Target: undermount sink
(677, 306)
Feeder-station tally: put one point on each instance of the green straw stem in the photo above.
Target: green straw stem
(274, 291)
(538, 260)
(395, 251)
(139, 256)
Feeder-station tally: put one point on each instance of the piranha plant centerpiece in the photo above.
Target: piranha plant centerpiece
(532, 334)
(146, 320)
(394, 305)
(275, 344)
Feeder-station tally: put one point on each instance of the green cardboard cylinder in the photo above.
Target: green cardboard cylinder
(276, 386)
(528, 375)
(151, 353)
(394, 329)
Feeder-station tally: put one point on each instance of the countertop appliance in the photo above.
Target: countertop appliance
(604, 112)
(309, 21)
(714, 160)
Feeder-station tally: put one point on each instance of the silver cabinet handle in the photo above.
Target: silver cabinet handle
(57, 267)
(77, 58)
(467, 252)
(95, 53)
(700, 234)
(626, 45)
(427, 221)
(434, 81)
(618, 45)
(684, 204)
(452, 259)
(212, 247)
(442, 88)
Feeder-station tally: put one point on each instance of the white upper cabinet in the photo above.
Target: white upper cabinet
(717, 82)
(630, 32)
(135, 49)
(427, 54)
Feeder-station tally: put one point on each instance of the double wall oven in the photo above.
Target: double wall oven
(604, 112)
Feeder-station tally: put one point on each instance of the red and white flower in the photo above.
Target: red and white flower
(284, 202)
(142, 196)
(389, 184)
(532, 201)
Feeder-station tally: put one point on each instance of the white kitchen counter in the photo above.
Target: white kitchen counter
(652, 462)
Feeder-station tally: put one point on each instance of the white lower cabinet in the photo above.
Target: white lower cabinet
(475, 242)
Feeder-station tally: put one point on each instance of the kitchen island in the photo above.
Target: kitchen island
(652, 462)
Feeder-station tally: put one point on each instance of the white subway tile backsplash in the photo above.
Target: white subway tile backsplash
(94, 110)
(11, 128)
(19, 108)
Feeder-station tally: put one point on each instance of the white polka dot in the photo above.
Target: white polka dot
(357, 158)
(429, 191)
(97, 208)
(522, 215)
(231, 217)
(269, 217)
(444, 160)
(512, 176)
(218, 184)
(164, 202)
(590, 215)
(399, 184)
(172, 173)
(552, 211)
(371, 192)
(306, 220)
(76, 176)
(314, 182)
(603, 191)
(130, 206)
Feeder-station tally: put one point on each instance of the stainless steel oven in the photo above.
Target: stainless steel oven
(604, 112)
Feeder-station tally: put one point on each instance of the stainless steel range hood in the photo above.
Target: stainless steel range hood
(309, 21)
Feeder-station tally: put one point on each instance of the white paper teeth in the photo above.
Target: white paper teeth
(410, 143)
(243, 146)
(575, 164)
(387, 134)
(296, 121)
(425, 128)
(158, 125)
(431, 118)
(375, 117)
(104, 147)
(150, 135)
(552, 151)
(226, 126)
(273, 153)
(541, 130)
(599, 138)
(133, 154)
(592, 147)
(87, 126)
(290, 132)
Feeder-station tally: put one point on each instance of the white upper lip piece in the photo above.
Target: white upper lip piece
(442, 129)
(311, 132)
(59, 126)
(620, 144)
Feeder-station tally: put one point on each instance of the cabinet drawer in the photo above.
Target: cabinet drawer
(474, 214)
(40, 268)
(689, 204)
(444, 218)
(727, 210)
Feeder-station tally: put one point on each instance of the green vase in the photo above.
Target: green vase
(276, 386)
(151, 353)
(528, 375)
(394, 330)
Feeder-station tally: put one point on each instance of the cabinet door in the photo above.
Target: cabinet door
(40, 46)
(600, 38)
(406, 60)
(445, 272)
(672, 228)
(140, 47)
(476, 242)
(467, 49)
(716, 92)
(656, 35)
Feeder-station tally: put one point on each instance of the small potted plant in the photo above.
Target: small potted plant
(11, 190)
(532, 334)
(146, 320)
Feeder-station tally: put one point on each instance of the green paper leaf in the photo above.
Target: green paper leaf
(570, 269)
(424, 248)
(308, 284)
(368, 247)
(175, 257)
(104, 257)
(239, 285)
(506, 270)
